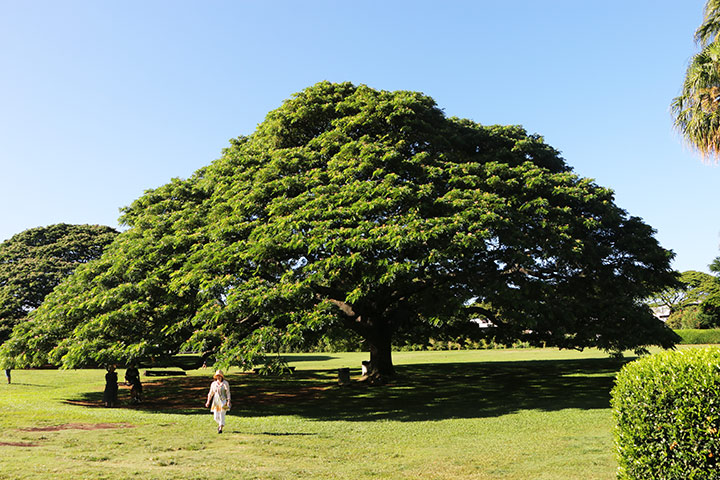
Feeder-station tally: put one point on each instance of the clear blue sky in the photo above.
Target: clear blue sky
(101, 100)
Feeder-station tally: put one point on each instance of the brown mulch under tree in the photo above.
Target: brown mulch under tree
(19, 444)
(64, 426)
(190, 393)
(77, 426)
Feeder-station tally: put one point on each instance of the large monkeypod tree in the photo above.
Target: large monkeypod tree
(369, 210)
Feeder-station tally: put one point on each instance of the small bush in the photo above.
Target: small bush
(691, 317)
(667, 413)
(699, 337)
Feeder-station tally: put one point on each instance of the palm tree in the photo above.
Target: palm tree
(696, 110)
(710, 28)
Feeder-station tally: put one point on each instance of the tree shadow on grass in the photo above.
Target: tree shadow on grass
(420, 392)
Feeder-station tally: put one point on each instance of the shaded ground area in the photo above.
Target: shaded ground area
(421, 392)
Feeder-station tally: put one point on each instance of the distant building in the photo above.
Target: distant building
(661, 312)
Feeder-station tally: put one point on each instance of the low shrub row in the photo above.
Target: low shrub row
(349, 342)
(352, 343)
(699, 337)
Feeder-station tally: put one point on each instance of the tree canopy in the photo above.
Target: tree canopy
(34, 262)
(365, 209)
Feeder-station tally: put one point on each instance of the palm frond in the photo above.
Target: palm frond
(696, 111)
(709, 30)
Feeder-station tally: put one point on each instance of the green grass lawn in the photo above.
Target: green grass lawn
(492, 414)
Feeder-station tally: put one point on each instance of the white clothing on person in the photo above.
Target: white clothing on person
(220, 394)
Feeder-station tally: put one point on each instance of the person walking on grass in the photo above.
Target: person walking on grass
(218, 399)
(7, 375)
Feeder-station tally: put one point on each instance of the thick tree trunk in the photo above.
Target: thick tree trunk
(377, 332)
(381, 357)
(379, 338)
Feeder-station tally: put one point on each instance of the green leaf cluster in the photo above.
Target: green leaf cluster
(667, 413)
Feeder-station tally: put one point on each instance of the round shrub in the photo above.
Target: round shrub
(667, 414)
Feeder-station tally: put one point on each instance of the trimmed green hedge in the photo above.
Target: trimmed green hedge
(667, 414)
(699, 337)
